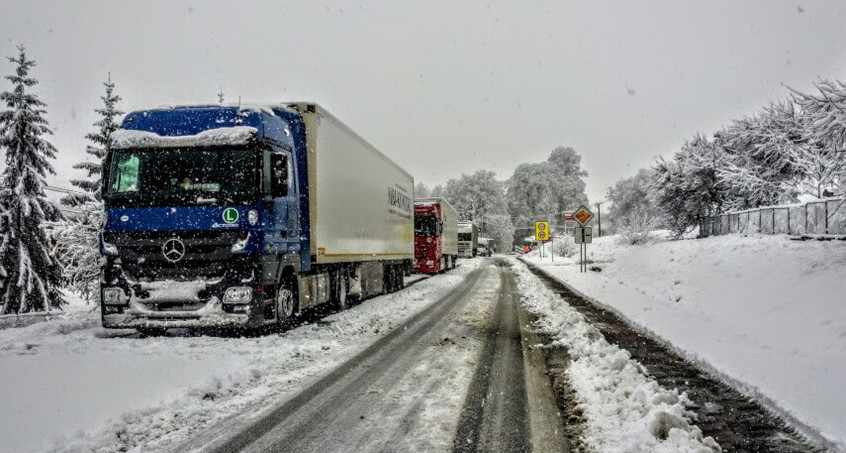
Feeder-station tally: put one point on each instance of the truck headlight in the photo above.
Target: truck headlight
(252, 217)
(238, 295)
(114, 296)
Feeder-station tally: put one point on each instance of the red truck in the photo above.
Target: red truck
(435, 235)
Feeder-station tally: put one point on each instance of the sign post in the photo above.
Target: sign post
(583, 234)
(542, 233)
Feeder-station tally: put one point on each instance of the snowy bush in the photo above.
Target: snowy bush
(636, 227)
(76, 244)
(565, 246)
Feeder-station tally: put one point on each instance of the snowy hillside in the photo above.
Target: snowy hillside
(766, 312)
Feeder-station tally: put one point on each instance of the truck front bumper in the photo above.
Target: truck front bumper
(179, 304)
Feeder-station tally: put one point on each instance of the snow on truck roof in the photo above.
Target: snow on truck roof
(231, 136)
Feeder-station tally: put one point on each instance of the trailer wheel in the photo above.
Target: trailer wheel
(284, 307)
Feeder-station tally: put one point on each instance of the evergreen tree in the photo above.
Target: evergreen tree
(102, 140)
(420, 190)
(31, 273)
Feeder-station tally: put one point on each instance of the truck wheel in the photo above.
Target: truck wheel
(284, 307)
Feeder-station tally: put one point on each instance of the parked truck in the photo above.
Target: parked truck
(468, 239)
(241, 217)
(435, 235)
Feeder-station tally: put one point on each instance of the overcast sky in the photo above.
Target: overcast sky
(442, 87)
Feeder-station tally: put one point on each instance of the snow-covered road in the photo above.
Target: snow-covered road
(108, 391)
(116, 391)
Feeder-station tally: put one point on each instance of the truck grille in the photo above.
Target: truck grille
(207, 253)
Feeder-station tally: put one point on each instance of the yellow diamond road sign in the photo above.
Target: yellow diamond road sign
(542, 231)
(583, 215)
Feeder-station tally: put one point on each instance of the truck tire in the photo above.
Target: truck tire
(284, 307)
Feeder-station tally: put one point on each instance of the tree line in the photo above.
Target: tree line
(507, 209)
(41, 250)
(789, 149)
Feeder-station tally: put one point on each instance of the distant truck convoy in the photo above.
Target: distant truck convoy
(243, 216)
(486, 247)
(468, 239)
(435, 235)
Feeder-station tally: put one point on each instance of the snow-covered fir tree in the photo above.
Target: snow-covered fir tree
(101, 140)
(30, 273)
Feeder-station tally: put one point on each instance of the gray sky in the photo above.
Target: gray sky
(442, 87)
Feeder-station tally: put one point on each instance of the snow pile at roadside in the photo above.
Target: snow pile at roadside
(109, 390)
(625, 410)
(766, 312)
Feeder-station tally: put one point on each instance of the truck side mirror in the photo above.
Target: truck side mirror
(104, 176)
(278, 175)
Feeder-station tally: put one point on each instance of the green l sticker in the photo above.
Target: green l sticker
(230, 215)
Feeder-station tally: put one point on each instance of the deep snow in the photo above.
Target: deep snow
(766, 312)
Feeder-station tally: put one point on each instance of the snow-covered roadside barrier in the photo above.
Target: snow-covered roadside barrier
(625, 410)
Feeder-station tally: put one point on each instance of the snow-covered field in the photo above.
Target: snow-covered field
(766, 312)
(70, 385)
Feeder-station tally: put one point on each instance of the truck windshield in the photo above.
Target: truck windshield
(425, 225)
(465, 236)
(183, 176)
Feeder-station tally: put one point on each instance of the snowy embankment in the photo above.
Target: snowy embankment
(765, 312)
(70, 385)
(625, 411)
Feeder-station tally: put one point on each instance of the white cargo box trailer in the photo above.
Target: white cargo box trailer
(360, 202)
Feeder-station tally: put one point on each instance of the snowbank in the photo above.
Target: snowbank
(764, 311)
(625, 410)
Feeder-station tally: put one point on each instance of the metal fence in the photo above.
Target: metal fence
(824, 217)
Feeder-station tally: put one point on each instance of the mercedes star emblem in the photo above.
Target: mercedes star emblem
(173, 250)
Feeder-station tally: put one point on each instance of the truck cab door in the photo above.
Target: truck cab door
(282, 231)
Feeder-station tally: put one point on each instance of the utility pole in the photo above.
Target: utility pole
(598, 220)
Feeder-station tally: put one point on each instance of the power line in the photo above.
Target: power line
(63, 190)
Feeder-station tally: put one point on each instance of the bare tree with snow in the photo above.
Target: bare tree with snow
(758, 157)
(480, 198)
(30, 273)
(76, 241)
(825, 115)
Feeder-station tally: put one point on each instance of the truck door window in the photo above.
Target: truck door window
(125, 179)
(278, 175)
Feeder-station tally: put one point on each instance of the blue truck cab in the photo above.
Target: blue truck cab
(205, 208)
